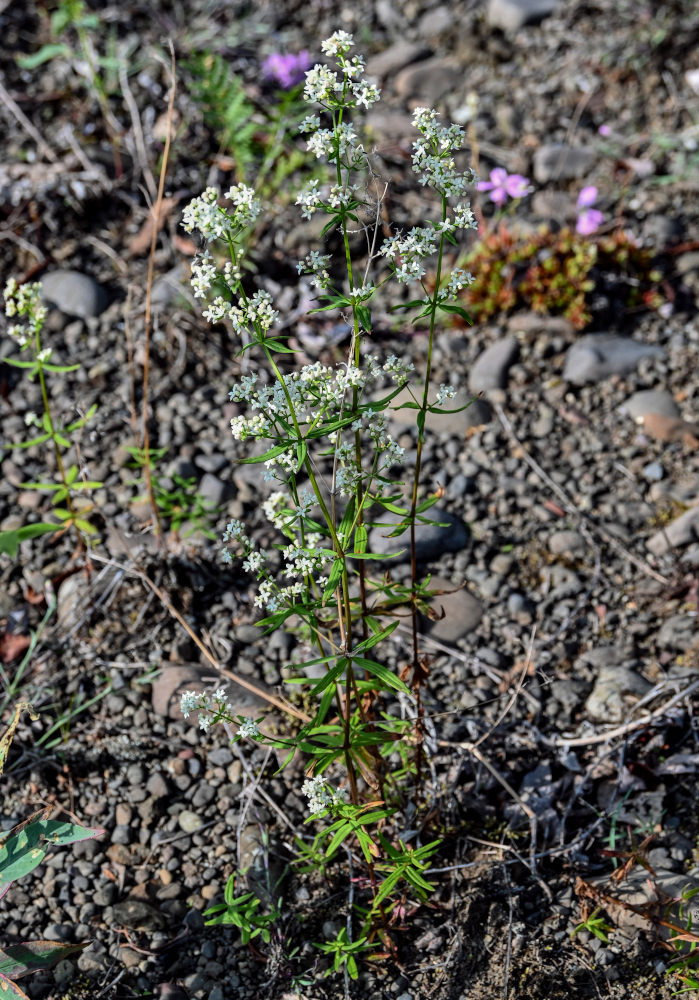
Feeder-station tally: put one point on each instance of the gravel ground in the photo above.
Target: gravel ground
(571, 487)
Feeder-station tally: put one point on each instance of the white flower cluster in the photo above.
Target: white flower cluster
(316, 264)
(341, 142)
(432, 154)
(319, 794)
(343, 89)
(211, 708)
(399, 371)
(24, 301)
(412, 249)
(313, 199)
(205, 215)
(458, 279)
(445, 392)
(248, 729)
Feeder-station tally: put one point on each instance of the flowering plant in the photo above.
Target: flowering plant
(333, 461)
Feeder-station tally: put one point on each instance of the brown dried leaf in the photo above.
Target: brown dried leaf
(141, 242)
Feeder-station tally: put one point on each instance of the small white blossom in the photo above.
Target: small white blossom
(445, 392)
(339, 43)
(249, 730)
(319, 795)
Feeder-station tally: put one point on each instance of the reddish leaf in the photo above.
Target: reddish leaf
(12, 646)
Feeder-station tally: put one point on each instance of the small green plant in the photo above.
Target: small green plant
(179, 504)
(684, 941)
(553, 273)
(344, 952)
(74, 16)
(69, 506)
(243, 912)
(258, 136)
(22, 849)
(593, 923)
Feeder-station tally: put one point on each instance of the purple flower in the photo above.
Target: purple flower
(587, 197)
(589, 219)
(604, 130)
(286, 70)
(503, 185)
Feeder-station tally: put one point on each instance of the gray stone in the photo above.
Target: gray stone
(600, 355)
(157, 786)
(511, 15)
(653, 472)
(190, 821)
(170, 288)
(397, 56)
(429, 81)
(490, 368)
(462, 612)
(615, 692)
(678, 533)
(137, 915)
(566, 543)
(679, 632)
(553, 205)
(431, 540)
(650, 401)
(213, 491)
(558, 162)
(74, 293)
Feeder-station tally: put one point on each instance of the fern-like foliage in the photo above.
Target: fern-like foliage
(227, 109)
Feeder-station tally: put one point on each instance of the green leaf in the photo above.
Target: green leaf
(272, 453)
(325, 703)
(11, 540)
(25, 847)
(377, 637)
(426, 504)
(383, 673)
(330, 677)
(347, 521)
(17, 960)
(361, 537)
(408, 305)
(457, 310)
(342, 834)
(334, 578)
(38, 58)
(60, 368)
(363, 314)
(10, 989)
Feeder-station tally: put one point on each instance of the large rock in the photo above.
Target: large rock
(490, 369)
(429, 81)
(615, 692)
(648, 401)
(396, 57)
(431, 540)
(601, 355)
(680, 532)
(511, 15)
(558, 162)
(462, 612)
(74, 293)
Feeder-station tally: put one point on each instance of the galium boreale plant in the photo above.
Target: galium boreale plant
(332, 460)
(23, 303)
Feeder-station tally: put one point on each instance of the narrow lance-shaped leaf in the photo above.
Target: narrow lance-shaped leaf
(17, 960)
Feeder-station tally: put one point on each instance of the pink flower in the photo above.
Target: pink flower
(589, 219)
(604, 130)
(286, 70)
(503, 186)
(587, 197)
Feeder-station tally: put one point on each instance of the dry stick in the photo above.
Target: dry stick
(570, 506)
(149, 290)
(628, 727)
(15, 110)
(139, 141)
(248, 685)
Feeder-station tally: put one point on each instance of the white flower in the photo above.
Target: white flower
(249, 730)
(319, 795)
(445, 392)
(339, 42)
